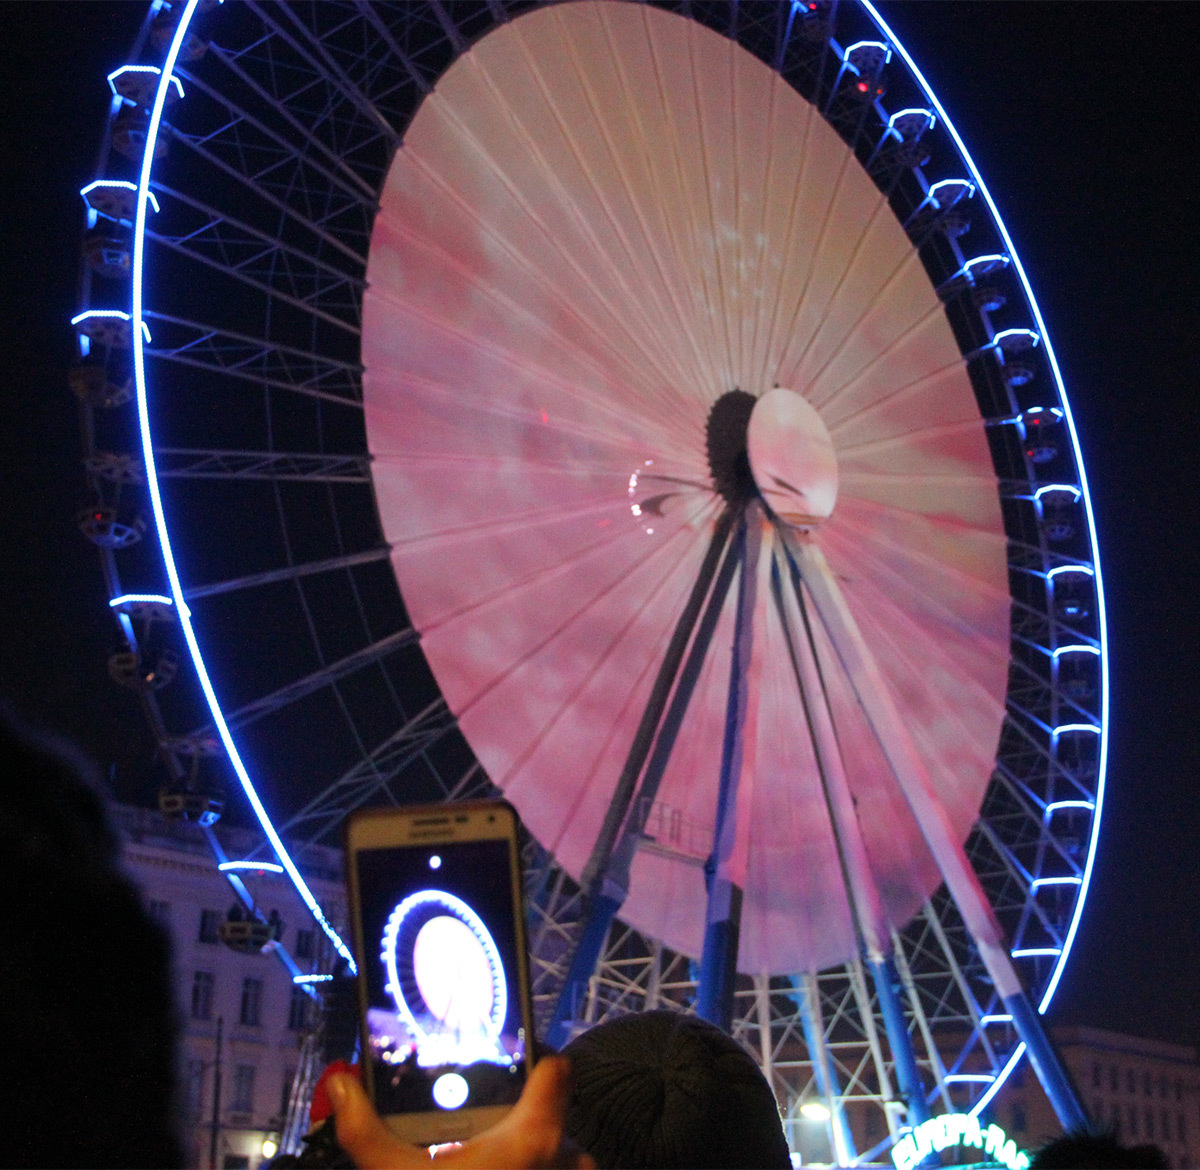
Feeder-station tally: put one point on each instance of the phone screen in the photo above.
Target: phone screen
(443, 1020)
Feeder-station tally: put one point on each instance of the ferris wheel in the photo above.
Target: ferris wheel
(641, 411)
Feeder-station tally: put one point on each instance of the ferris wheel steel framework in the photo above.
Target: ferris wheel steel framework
(1047, 793)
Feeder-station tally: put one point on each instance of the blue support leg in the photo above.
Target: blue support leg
(723, 915)
(1050, 1072)
(718, 962)
(841, 1141)
(908, 1076)
(609, 889)
(601, 911)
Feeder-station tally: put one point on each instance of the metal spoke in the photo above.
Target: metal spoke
(280, 367)
(289, 573)
(190, 463)
(323, 677)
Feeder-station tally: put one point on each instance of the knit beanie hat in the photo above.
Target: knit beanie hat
(661, 1089)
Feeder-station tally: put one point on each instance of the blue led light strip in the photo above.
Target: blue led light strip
(185, 615)
(132, 598)
(141, 69)
(1055, 805)
(118, 314)
(251, 866)
(1101, 617)
(102, 184)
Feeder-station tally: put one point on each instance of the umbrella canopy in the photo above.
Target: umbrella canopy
(605, 218)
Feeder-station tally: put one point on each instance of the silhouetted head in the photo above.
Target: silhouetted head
(87, 1014)
(668, 1090)
(1096, 1150)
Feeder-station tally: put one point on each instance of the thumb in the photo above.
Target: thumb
(362, 1134)
(531, 1135)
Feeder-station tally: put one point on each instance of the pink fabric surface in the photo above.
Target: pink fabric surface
(604, 218)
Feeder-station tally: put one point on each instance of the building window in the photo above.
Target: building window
(1131, 1113)
(1096, 1073)
(298, 1010)
(305, 944)
(210, 925)
(1018, 1118)
(1147, 1087)
(1178, 1091)
(1113, 1075)
(1130, 1080)
(1149, 1122)
(202, 995)
(194, 1088)
(243, 1089)
(285, 1094)
(1162, 1087)
(1181, 1128)
(160, 911)
(251, 1012)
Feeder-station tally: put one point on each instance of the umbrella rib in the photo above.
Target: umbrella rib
(654, 551)
(881, 358)
(867, 536)
(923, 382)
(512, 589)
(701, 290)
(689, 373)
(793, 220)
(830, 300)
(679, 378)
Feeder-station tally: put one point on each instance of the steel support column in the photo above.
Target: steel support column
(605, 884)
(911, 775)
(807, 997)
(862, 999)
(725, 869)
(936, 1068)
(1049, 1069)
(908, 1076)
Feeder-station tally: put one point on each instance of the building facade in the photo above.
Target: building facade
(244, 1020)
(1147, 1090)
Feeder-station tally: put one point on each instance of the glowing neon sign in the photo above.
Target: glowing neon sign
(957, 1129)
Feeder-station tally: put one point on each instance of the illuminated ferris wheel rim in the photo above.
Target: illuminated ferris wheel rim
(461, 912)
(139, 329)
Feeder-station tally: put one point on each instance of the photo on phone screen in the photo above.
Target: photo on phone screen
(443, 1024)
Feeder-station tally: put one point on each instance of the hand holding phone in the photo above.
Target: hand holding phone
(445, 1013)
(530, 1136)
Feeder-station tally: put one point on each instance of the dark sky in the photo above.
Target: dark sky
(1082, 120)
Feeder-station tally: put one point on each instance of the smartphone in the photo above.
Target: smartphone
(443, 969)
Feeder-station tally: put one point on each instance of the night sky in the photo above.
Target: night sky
(1082, 120)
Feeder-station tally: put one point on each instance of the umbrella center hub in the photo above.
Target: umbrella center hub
(791, 458)
(725, 435)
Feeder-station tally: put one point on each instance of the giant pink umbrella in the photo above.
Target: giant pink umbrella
(603, 220)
